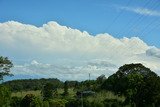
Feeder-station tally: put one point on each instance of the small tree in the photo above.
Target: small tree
(5, 66)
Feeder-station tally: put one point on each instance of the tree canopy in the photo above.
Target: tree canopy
(139, 84)
(5, 66)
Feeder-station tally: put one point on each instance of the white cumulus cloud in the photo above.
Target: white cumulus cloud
(52, 43)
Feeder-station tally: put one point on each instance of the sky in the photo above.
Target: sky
(70, 39)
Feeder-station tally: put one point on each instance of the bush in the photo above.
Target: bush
(115, 104)
(73, 103)
(31, 101)
(112, 103)
(36, 103)
(47, 91)
(15, 101)
(5, 96)
(27, 100)
(86, 103)
(45, 104)
(97, 104)
(57, 103)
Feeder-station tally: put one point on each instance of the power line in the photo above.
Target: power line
(140, 16)
(138, 20)
(145, 28)
(149, 24)
(151, 29)
(116, 18)
(143, 19)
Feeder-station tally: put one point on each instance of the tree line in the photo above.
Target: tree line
(133, 85)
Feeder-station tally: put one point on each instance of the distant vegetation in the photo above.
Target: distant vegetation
(32, 84)
(133, 85)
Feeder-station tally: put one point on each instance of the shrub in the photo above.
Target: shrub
(45, 104)
(5, 96)
(73, 103)
(27, 100)
(47, 91)
(36, 103)
(57, 103)
(112, 103)
(31, 101)
(15, 101)
(97, 104)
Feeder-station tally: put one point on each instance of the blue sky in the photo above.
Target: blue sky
(93, 16)
(68, 39)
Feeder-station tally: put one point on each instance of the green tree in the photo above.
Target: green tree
(47, 91)
(5, 66)
(139, 84)
(66, 88)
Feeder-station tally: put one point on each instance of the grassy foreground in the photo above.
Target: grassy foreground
(101, 95)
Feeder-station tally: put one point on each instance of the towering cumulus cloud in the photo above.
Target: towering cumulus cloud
(81, 52)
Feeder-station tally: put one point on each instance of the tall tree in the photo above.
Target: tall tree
(5, 66)
(139, 84)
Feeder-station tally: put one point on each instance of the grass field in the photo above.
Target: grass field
(23, 93)
(101, 96)
(37, 93)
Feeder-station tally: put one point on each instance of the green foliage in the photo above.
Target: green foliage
(37, 102)
(87, 85)
(131, 85)
(112, 103)
(47, 91)
(32, 84)
(73, 103)
(97, 104)
(26, 101)
(5, 66)
(139, 84)
(57, 103)
(15, 101)
(45, 104)
(65, 88)
(31, 101)
(5, 96)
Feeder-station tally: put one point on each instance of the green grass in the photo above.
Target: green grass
(37, 93)
(23, 93)
(101, 96)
